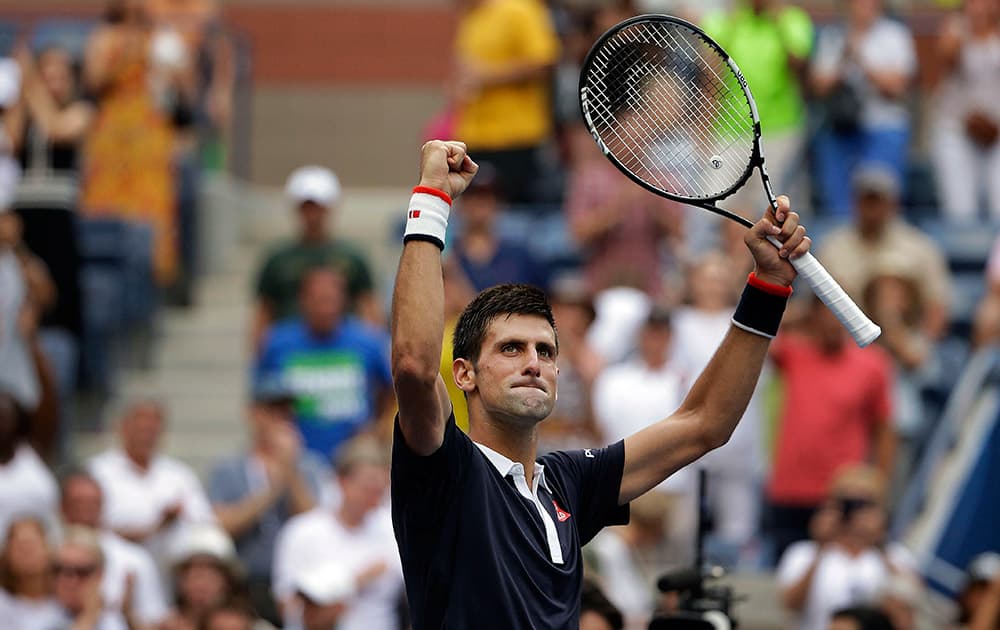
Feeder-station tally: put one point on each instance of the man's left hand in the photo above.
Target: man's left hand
(783, 224)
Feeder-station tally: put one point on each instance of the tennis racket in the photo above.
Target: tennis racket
(672, 111)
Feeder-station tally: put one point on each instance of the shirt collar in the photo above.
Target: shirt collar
(505, 466)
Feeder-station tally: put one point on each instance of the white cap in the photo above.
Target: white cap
(203, 539)
(10, 81)
(324, 584)
(313, 183)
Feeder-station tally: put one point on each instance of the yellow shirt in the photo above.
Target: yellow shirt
(456, 395)
(499, 33)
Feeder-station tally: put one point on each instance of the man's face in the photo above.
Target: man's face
(515, 376)
(81, 502)
(324, 294)
(76, 568)
(141, 432)
(313, 218)
(874, 210)
(364, 486)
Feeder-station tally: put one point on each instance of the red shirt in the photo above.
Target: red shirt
(830, 406)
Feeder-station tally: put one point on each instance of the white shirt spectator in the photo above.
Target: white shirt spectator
(886, 47)
(625, 584)
(123, 558)
(136, 498)
(24, 614)
(840, 580)
(27, 487)
(652, 395)
(317, 537)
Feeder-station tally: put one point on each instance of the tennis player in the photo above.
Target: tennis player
(490, 534)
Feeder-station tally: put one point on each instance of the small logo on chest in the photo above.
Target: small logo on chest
(561, 514)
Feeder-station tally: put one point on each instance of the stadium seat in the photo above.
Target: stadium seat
(68, 33)
(966, 244)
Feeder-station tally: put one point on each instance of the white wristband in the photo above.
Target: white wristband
(427, 216)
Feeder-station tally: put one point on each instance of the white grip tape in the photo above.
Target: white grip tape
(427, 216)
(836, 299)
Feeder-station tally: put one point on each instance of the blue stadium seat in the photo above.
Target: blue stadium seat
(68, 33)
(966, 244)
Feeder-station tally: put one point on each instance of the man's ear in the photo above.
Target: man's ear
(465, 374)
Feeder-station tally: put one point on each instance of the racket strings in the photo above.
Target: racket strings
(671, 109)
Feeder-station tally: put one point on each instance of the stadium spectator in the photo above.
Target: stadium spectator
(621, 228)
(654, 383)
(26, 485)
(257, 491)
(77, 575)
(130, 581)
(206, 574)
(47, 130)
(966, 116)
(121, 177)
(862, 70)
(822, 428)
(336, 366)
(626, 560)
(486, 257)
(596, 611)
(572, 423)
(149, 497)
(735, 470)
(457, 293)
(350, 550)
(315, 193)
(893, 298)
(848, 559)
(979, 600)
(853, 253)
(26, 600)
(26, 290)
(771, 43)
(505, 51)
(986, 324)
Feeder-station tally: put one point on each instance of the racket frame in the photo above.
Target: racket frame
(861, 328)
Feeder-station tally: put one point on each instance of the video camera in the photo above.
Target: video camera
(699, 606)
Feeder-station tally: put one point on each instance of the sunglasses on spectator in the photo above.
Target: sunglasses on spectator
(80, 571)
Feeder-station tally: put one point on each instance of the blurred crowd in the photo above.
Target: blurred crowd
(102, 148)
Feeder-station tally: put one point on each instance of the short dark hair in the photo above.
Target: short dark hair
(502, 300)
(868, 617)
(592, 599)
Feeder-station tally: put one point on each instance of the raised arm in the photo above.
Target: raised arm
(418, 298)
(710, 412)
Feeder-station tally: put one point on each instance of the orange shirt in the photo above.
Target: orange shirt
(495, 34)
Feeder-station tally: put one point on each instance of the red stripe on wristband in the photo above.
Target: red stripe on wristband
(767, 287)
(427, 190)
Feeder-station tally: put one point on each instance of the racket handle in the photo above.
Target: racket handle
(836, 299)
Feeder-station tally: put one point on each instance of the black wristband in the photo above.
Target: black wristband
(759, 312)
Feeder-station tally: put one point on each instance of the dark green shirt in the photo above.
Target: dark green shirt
(283, 268)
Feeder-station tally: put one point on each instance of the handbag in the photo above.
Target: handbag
(843, 108)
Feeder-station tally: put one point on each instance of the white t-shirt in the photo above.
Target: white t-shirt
(886, 47)
(840, 580)
(122, 558)
(696, 336)
(317, 537)
(136, 499)
(27, 488)
(630, 396)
